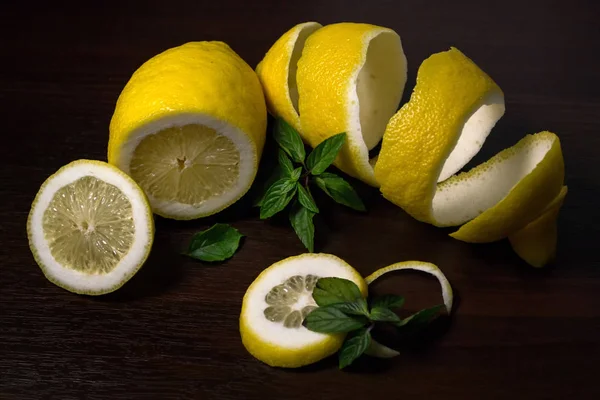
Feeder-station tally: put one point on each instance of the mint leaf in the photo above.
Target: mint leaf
(382, 314)
(324, 154)
(306, 199)
(217, 243)
(340, 191)
(277, 174)
(289, 140)
(277, 197)
(295, 175)
(332, 320)
(354, 346)
(420, 318)
(285, 163)
(335, 290)
(388, 301)
(302, 222)
(356, 307)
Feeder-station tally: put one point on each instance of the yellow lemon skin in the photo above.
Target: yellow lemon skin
(327, 86)
(421, 136)
(195, 78)
(197, 81)
(277, 72)
(527, 199)
(536, 242)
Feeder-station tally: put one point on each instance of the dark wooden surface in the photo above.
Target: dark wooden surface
(172, 332)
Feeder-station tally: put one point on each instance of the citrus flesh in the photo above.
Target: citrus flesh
(189, 127)
(277, 302)
(90, 227)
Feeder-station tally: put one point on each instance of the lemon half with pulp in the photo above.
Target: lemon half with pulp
(189, 127)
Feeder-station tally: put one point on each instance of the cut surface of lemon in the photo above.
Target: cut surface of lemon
(90, 227)
(276, 304)
(189, 127)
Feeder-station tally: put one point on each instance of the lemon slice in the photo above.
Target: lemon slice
(90, 227)
(536, 242)
(379, 350)
(189, 127)
(277, 72)
(276, 303)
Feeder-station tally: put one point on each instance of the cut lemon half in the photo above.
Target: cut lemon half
(90, 227)
(276, 304)
(189, 127)
(344, 77)
(277, 72)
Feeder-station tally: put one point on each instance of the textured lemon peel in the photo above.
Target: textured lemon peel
(536, 242)
(197, 83)
(452, 110)
(277, 72)
(379, 350)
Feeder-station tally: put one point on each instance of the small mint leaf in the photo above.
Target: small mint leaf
(332, 320)
(277, 197)
(335, 290)
(217, 243)
(324, 154)
(306, 199)
(354, 346)
(302, 222)
(382, 314)
(285, 163)
(340, 191)
(289, 140)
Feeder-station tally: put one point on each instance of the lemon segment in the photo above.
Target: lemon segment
(90, 227)
(189, 127)
(277, 73)
(276, 303)
(536, 242)
(502, 195)
(350, 79)
(451, 111)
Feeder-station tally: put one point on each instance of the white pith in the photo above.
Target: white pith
(382, 94)
(474, 133)
(462, 198)
(80, 281)
(247, 167)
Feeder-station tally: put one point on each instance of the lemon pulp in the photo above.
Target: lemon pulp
(188, 164)
(291, 301)
(89, 226)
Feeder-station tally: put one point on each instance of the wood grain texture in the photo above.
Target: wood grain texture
(172, 332)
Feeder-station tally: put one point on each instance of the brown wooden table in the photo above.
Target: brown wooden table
(172, 332)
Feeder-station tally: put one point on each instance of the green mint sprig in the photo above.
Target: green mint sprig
(342, 309)
(217, 243)
(290, 184)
